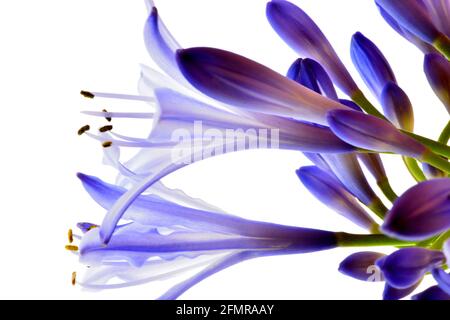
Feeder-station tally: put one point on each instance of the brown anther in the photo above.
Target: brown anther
(107, 144)
(87, 94)
(105, 128)
(74, 278)
(107, 118)
(70, 235)
(71, 247)
(83, 129)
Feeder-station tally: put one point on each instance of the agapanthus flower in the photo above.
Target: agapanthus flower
(206, 101)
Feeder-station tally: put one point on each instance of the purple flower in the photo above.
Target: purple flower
(241, 82)
(437, 70)
(371, 64)
(312, 75)
(421, 212)
(406, 267)
(411, 37)
(361, 266)
(162, 238)
(392, 293)
(329, 191)
(432, 293)
(348, 171)
(397, 107)
(413, 16)
(304, 36)
(370, 132)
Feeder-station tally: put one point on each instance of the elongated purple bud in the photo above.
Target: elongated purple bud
(431, 294)
(347, 169)
(241, 82)
(361, 266)
(392, 293)
(371, 64)
(330, 192)
(422, 45)
(314, 77)
(300, 32)
(421, 212)
(413, 16)
(397, 107)
(437, 70)
(432, 172)
(405, 267)
(369, 132)
(374, 164)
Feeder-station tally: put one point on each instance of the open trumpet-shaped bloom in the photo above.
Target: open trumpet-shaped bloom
(208, 101)
(159, 232)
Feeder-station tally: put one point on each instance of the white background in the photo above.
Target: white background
(49, 50)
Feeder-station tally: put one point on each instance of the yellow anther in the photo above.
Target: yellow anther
(71, 247)
(70, 235)
(74, 278)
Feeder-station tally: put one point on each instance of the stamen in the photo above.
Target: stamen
(107, 144)
(83, 129)
(71, 247)
(74, 278)
(109, 115)
(105, 128)
(108, 118)
(70, 235)
(119, 96)
(87, 94)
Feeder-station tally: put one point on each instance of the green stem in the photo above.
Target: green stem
(387, 190)
(369, 240)
(436, 161)
(414, 169)
(445, 134)
(378, 208)
(360, 99)
(435, 146)
(442, 44)
(439, 241)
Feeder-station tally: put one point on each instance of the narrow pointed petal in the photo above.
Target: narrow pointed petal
(154, 211)
(421, 212)
(219, 265)
(347, 169)
(318, 160)
(300, 32)
(330, 192)
(405, 267)
(391, 293)
(162, 46)
(246, 84)
(437, 70)
(361, 266)
(412, 16)
(431, 294)
(369, 132)
(443, 279)
(397, 107)
(371, 64)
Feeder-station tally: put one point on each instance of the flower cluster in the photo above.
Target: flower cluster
(151, 232)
